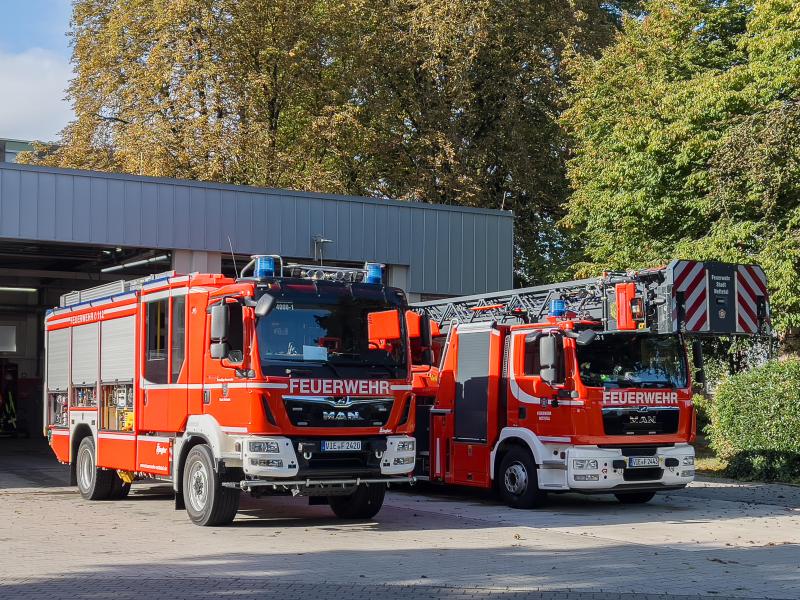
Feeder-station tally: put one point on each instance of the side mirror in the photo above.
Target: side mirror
(236, 356)
(265, 305)
(550, 357)
(220, 317)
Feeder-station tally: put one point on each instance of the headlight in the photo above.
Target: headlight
(688, 460)
(687, 473)
(587, 477)
(403, 460)
(584, 464)
(263, 446)
(407, 446)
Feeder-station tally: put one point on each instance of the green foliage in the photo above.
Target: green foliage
(686, 142)
(755, 420)
(450, 101)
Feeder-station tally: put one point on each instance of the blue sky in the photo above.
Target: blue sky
(34, 68)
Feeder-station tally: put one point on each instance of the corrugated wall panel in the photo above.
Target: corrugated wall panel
(448, 250)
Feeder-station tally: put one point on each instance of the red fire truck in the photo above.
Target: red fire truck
(581, 386)
(294, 379)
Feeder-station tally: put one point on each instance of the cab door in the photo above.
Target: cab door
(534, 404)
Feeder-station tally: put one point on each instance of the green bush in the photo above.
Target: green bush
(755, 422)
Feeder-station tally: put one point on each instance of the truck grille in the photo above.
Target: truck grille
(345, 411)
(640, 421)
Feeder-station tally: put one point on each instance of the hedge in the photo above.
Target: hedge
(755, 422)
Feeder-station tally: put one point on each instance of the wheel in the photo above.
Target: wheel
(93, 483)
(518, 481)
(364, 503)
(119, 489)
(207, 502)
(635, 497)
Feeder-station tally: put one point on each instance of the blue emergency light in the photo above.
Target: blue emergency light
(374, 273)
(558, 307)
(265, 267)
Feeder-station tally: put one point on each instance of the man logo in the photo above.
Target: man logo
(341, 415)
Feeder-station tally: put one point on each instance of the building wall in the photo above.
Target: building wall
(448, 250)
(10, 148)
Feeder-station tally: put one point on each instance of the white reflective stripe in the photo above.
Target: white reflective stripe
(690, 277)
(155, 296)
(153, 438)
(154, 467)
(131, 437)
(234, 429)
(269, 386)
(59, 432)
(495, 332)
(401, 388)
(198, 290)
(555, 439)
(115, 309)
(179, 279)
(571, 402)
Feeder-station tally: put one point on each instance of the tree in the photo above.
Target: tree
(451, 101)
(685, 136)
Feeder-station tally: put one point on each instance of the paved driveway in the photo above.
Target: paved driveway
(714, 540)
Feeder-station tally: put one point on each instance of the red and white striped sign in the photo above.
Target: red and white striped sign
(751, 282)
(689, 277)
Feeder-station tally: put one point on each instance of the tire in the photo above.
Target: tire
(207, 502)
(518, 481)
(364, 503)
(119, 489)
(635, 497)
(93, 483)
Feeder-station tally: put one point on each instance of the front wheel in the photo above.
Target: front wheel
(207, 501)
(364, 503)
(635, 497)
(518, 480)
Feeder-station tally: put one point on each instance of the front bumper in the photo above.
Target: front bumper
(613, 473)
(304, 460)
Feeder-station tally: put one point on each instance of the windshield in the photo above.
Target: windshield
(633, 360)
(326, 330)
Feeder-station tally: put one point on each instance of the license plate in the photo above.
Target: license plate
(341, 446)
(643, 461)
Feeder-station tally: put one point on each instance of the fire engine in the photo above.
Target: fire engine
(582, 386)
(292, 379)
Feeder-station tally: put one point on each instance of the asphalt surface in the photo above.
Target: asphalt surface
(716, 539)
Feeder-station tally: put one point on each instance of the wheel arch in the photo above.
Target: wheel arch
(519, 437)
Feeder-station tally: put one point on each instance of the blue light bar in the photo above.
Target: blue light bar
(265, 267)
(558, 307)
(374, 273)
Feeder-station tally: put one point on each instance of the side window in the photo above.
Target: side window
(235, 328)
(178, 336)
(156, 355)
(532, 363)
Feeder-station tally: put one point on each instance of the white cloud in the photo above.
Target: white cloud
(32, 91)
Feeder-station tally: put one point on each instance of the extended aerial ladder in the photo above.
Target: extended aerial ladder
(683, 297)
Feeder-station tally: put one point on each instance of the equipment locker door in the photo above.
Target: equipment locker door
(475, 405)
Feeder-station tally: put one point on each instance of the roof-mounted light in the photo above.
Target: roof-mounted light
(264, 267)
(558, 307)
(374, 273)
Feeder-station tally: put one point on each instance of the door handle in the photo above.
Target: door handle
(145, 397)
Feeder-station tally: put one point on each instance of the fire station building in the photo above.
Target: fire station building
(62, 230)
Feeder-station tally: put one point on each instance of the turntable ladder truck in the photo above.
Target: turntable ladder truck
(293, 379)
(582, 386)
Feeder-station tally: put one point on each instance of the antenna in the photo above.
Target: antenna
(233, 257)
